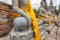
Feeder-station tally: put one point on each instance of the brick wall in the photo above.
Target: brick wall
(5, 6)
(5, 18)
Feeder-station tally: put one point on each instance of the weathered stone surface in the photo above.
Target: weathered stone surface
(28, 34)
(23, 35)
(58, 33)
(5, 37)
(52, 35)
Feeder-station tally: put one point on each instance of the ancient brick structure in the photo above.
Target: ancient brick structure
(5, 18)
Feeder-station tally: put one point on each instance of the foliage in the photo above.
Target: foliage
(35, 10)
(57, 11)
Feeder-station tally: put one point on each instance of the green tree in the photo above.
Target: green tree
(57, 11)
(35, 10)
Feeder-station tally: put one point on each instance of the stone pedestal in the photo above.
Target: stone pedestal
(23, 35)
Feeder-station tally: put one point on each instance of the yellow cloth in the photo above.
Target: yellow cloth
(28, 9)
(15, 15)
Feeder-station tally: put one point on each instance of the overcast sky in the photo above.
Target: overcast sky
(35, 3)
